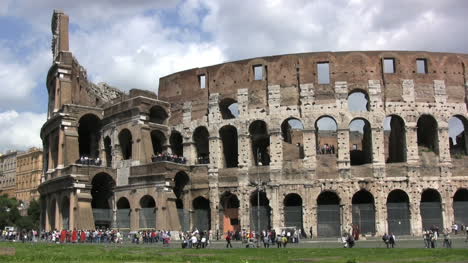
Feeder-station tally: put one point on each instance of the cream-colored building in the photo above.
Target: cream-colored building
(28, 175)
(8, 173)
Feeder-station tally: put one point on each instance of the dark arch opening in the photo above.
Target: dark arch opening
(395, 139)
(358, 100)
(201, 213)
(157, 115)
(260, 214)
(260, 140)
(123, 213)
(202, 145)
(176, 141)
(363, 212)
(293, 211)
(123, 203)
(398, 213)
(228, 135)
(229, 108)
(457, 136)
(126, 142)
(427, 134)
(158, 139)
(108, 149)
(360, 141)
(230, 204)
(65, 207)
(431, 209)
(147, 201)
(326, 136)
(180, 181)
(328, 214)
(88, 135)
(460, 206)
(292, 131)
(102, 191)
(51, 214)
(147, 212)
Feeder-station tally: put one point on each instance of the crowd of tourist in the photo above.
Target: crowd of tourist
(325, 149)
(85, 160)
(168, 157)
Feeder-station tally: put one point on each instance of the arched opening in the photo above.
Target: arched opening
(176, 143)
(181, 180)
(398, 213)
(293, 145)
(52, 211)
(395, 139)
(358, 101)
(158, 139)
(228, 135)
(328, 215)
(108, 150)
(293, 211)
(147, 212)
(126, 143)
(201, 214)
(260, 211)
(364, 212)
(460, 206)
(65, 207)
(326, 136)
(230, 204)
(123, 213)
(360, 142)
(229, 108)
(431, 209)
(457, 136)
(102, 192)
(88, 135)
(427, 135)
(157, 115)
(202, 144)
(260, 140)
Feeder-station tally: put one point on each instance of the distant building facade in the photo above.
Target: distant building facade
(28, 175)
(8, 173)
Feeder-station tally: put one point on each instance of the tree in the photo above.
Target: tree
(9, 213)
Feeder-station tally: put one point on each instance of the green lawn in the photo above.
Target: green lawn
(111, 253)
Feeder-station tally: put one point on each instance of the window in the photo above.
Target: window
(421, 65)
(258, 72)
(389, 65)
(323, 71)
(202, 81)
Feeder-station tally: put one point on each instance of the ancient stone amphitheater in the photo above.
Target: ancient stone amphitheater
(316, 141)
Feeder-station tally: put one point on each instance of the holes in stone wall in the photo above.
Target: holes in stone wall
(394, 139)
(157, 115)
(292, 132)
(158, 139)
(260, 141)
(202, 145)
(229, 108)
(228, 135)
(360, 137)
(176, 140)
(88, 135)
(457, 136)
(126, 143)
(427, 134)
(358, 101)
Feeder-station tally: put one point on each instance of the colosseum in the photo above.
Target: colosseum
(316, 141)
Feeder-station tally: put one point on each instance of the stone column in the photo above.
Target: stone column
(343, 153)
(347, 216)
(71, 213)
(415, 214)
(310, 150)
(244, 148)
(216, 152)
(380, 214)
(276, 149)
(378, 152)
(60, 147)
(214, 203)
(275, 205)
(444, 145)
(57, 214)
(244, 207)
(412, 154)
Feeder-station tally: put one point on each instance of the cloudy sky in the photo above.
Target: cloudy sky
(130, 44)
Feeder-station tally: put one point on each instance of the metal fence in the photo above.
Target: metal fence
(123, 218)
(364, 217)
(293, 216)
(184, 219)
(398, 218)
(264, 217)
(148, 217)
(328, 220)
(431, 215)
(102, 217)
(201, 219)
(460, 209)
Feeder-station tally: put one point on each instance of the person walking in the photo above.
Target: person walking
(228, 240)
(392, 240)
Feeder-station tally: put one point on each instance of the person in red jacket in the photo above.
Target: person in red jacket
(74, 236)
(83, 236)
(63, 236)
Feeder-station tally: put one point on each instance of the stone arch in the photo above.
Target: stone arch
(52, 211)
(65, 211)
(158, 139)
(293, 214)
(363, 204)
(458, 130)
(328, 214)
(398, 213)
(89, 127)
(158, 114)
(427, 133)
(360, 140)
(431, 209)
(201, 214)
(126, 144)
(260, 140)
(395, 139)
(228, 134)
(358, 101)
(102, 191)
(202, 144)
(176, 142)
(260, 211)
(460, 206)
(230, 204)
(147, 212)
(123, 215)
(292, 131)
(326, 129)
(229, 108)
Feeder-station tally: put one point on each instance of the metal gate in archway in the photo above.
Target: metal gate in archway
(293, 216)
(398, 218)
(264, 212)
(328, 220)
(148, 217)
(431, 215)
(364, 217)
(123, 218)
(184, 219)
(201, 219)
(460, 209)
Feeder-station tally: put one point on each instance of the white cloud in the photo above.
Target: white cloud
(20, 130)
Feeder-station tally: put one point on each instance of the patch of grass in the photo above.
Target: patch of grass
(130, 253)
